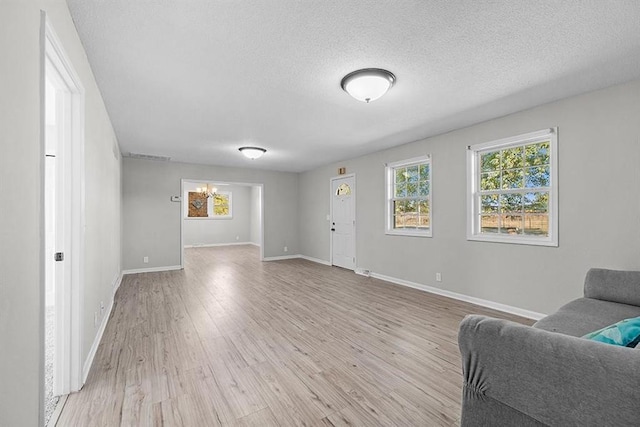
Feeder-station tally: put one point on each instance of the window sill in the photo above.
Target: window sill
(200, 218)
(410, 233)
(531, 241)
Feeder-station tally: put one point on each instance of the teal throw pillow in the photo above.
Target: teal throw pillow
(625, 333)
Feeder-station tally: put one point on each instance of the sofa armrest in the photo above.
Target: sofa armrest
(613, 285)
(555, 379)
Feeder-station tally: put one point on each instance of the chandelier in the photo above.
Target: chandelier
(207, 191)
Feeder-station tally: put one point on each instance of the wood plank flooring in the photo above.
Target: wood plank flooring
(234, 341)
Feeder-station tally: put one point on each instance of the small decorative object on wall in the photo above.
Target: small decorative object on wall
(342, 171)
(197, 204)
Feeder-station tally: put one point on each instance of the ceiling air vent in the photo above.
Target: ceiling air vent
(148, 157)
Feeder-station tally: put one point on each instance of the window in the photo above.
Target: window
(222, 205)
(409, 197)
(512, 190)
(217, 207)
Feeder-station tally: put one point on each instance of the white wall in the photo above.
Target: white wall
(599, 207)
(152, 221)
(21, 184)
(215, 231)
(254, 235)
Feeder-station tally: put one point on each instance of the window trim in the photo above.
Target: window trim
(210, 206)
(389, 174)
(473, 223)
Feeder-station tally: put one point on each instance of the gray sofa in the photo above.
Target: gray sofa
(546, 375)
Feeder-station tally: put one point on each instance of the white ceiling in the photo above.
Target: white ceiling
(195, 80)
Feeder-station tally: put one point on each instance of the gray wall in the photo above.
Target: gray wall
(255, 216)
(152, 221)
(21, 286)
(599, 207)
(199, 231)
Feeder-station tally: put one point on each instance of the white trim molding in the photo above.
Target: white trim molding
(298, 256)
(475, 193)
(390, 199)
(96, 342)
(152, 269)
(461, 297)
(212, 245)
(316, 260)
(117, 280)
(56, 64)
(280, 258)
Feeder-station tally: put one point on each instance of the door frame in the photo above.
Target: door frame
(355, 210)
(68, 337)
(205, 181)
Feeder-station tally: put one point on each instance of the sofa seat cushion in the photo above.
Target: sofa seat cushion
(585, 315)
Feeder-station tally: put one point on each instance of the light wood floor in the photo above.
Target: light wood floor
(233, 341)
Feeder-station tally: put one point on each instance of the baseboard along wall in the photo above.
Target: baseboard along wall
(212, 245)
(152, 269)
(425, 288)
(461, 297)
(103, 324)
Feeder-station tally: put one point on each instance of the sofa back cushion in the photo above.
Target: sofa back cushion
(613, 285)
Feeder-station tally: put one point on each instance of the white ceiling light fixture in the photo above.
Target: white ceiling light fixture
(368, 84)
(252, 152)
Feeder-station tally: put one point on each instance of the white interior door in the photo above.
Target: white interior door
(343, 222)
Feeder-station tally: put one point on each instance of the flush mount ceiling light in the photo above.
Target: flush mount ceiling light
(368, 84)
(252, 152)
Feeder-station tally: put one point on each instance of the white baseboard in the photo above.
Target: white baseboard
(103, 325)
(253, 243)
(280, 258)
(312, 259)
(461, 297)
(211, 245)
(116, 282)
(152, 269)
(298, 256)
(362, 272)
(53, 421)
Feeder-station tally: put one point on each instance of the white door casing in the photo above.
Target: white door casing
(343, 221)
(66, 141)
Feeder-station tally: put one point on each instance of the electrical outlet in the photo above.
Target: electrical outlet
(438, 277)
(145, 260)
(286, 249)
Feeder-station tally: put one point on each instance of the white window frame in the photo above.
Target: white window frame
(210, 210)
(389, 177)
(473, 182)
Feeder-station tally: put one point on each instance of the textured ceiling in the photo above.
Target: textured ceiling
(195, 80)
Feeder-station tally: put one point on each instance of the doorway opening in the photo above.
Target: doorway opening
(219, 213)
(63, 219)
(343, 221)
